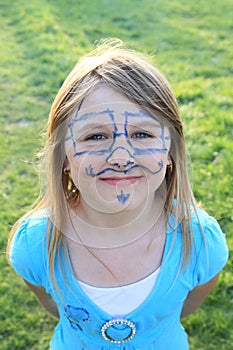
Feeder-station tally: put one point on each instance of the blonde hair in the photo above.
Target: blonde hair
(133, 75)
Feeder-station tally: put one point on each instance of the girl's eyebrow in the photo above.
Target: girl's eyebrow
(83, 129)
(86, 122)
(144, 124)
(141, 124)
(141, 118)
(89, 115)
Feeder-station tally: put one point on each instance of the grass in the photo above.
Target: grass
(40, 42)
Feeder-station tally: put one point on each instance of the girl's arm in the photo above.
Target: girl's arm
(197, 296)
(45, 299)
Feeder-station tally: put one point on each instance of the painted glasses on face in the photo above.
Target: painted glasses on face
(117, 154)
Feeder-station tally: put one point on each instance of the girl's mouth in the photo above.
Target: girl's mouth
(122, 181)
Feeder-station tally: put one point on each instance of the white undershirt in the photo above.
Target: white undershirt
(119, 301)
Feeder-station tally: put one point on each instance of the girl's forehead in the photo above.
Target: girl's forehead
(106, 105)
(113, 113)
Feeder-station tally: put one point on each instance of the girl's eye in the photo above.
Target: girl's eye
(141, 135)
(96, 137)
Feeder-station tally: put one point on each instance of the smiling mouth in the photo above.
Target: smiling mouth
(123, 181)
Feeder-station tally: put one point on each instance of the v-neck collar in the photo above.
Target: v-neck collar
(103, 314)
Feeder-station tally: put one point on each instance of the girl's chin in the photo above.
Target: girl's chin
(123, 202)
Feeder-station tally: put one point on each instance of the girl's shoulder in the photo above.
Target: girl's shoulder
(33, 227)
(36, 218)
(210, 251)
(206, 227)
(28, 247)
(201, 222)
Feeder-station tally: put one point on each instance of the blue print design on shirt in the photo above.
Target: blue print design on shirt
(76, 316)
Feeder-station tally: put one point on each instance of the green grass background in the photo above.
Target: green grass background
(40, 42)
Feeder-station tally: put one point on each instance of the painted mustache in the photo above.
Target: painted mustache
(90, 170)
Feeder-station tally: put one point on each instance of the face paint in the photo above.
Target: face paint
(115, 151)
(130, 149)
(78, 120)
(122, 197)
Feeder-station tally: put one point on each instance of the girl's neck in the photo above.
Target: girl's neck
(103, 230)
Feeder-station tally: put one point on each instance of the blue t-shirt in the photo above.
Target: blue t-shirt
(155, 324)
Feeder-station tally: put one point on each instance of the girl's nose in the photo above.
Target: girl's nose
(120, 158)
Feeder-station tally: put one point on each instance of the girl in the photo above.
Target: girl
(117, 248)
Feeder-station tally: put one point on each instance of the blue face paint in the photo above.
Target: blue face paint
(90, 171)
(139, 151)
(83, 117)
(122, 198)
(131, 150)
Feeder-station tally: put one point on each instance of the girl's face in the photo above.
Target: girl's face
(116, 153)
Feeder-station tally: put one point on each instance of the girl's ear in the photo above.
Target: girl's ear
(66, 164)
(169, 160)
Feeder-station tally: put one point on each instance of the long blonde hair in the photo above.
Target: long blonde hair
(134, 76)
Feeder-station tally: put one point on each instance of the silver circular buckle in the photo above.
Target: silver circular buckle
(118, 321)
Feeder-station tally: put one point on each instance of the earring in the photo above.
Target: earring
(169, 165)
(66, 171)
(71, 190)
